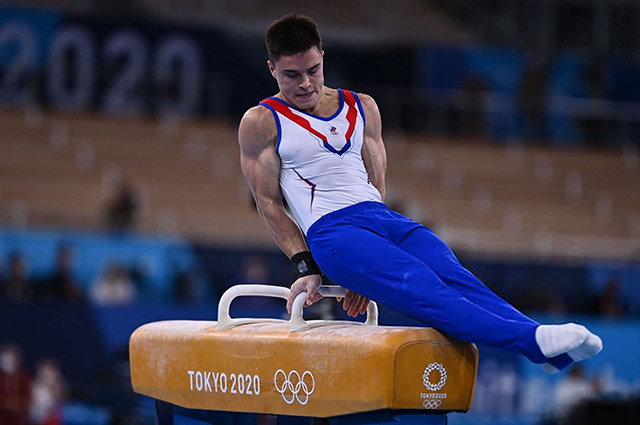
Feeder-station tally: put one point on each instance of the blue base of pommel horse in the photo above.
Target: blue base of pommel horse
(321, 372)
(166, 413)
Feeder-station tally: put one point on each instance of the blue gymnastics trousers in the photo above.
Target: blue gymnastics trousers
(404, 266)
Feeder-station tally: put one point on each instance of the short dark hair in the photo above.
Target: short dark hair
(292, 34)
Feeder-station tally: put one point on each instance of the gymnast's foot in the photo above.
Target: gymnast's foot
(573, 340)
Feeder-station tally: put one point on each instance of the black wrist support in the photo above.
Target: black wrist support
(306, 264)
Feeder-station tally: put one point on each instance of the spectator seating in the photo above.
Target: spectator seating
(58, 170)
(520, 199)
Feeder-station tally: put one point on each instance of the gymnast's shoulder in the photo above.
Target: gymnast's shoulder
(370, 108)
(257, 126)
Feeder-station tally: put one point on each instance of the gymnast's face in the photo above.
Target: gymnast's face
(300, 77)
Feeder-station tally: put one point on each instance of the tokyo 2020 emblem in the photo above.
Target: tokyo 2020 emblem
(426, 377)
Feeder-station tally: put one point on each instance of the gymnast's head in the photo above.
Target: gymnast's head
(292, 34)
(295, 53)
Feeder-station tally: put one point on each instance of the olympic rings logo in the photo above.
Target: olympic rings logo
(443, 377)
(431, 404)
(294, 386)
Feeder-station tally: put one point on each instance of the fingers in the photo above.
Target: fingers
(309, 284)
(347, 300)
(292, 296)
(365, 306)
(312, 298)
(312, 285)
(355, 304)
(296, 288)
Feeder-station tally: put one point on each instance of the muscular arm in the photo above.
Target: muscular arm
(373, 151)
(260, 164)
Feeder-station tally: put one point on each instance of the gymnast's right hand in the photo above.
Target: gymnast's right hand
(309, 284)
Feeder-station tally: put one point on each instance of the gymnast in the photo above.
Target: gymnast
(321, 150)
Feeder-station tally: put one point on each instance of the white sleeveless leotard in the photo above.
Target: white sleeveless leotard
(322, 169)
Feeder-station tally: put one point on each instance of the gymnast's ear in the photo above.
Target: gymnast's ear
(272, 68)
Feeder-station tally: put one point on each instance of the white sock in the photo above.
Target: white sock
(554, 340)
(575, 340)
(590, 347)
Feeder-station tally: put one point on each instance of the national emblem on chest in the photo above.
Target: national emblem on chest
(336, 139)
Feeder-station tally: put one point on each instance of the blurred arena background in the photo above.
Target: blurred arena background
(512, 129)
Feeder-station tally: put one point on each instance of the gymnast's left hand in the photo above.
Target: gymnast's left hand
(354, 304)
(309, 284)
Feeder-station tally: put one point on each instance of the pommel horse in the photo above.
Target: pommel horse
(347, 371)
